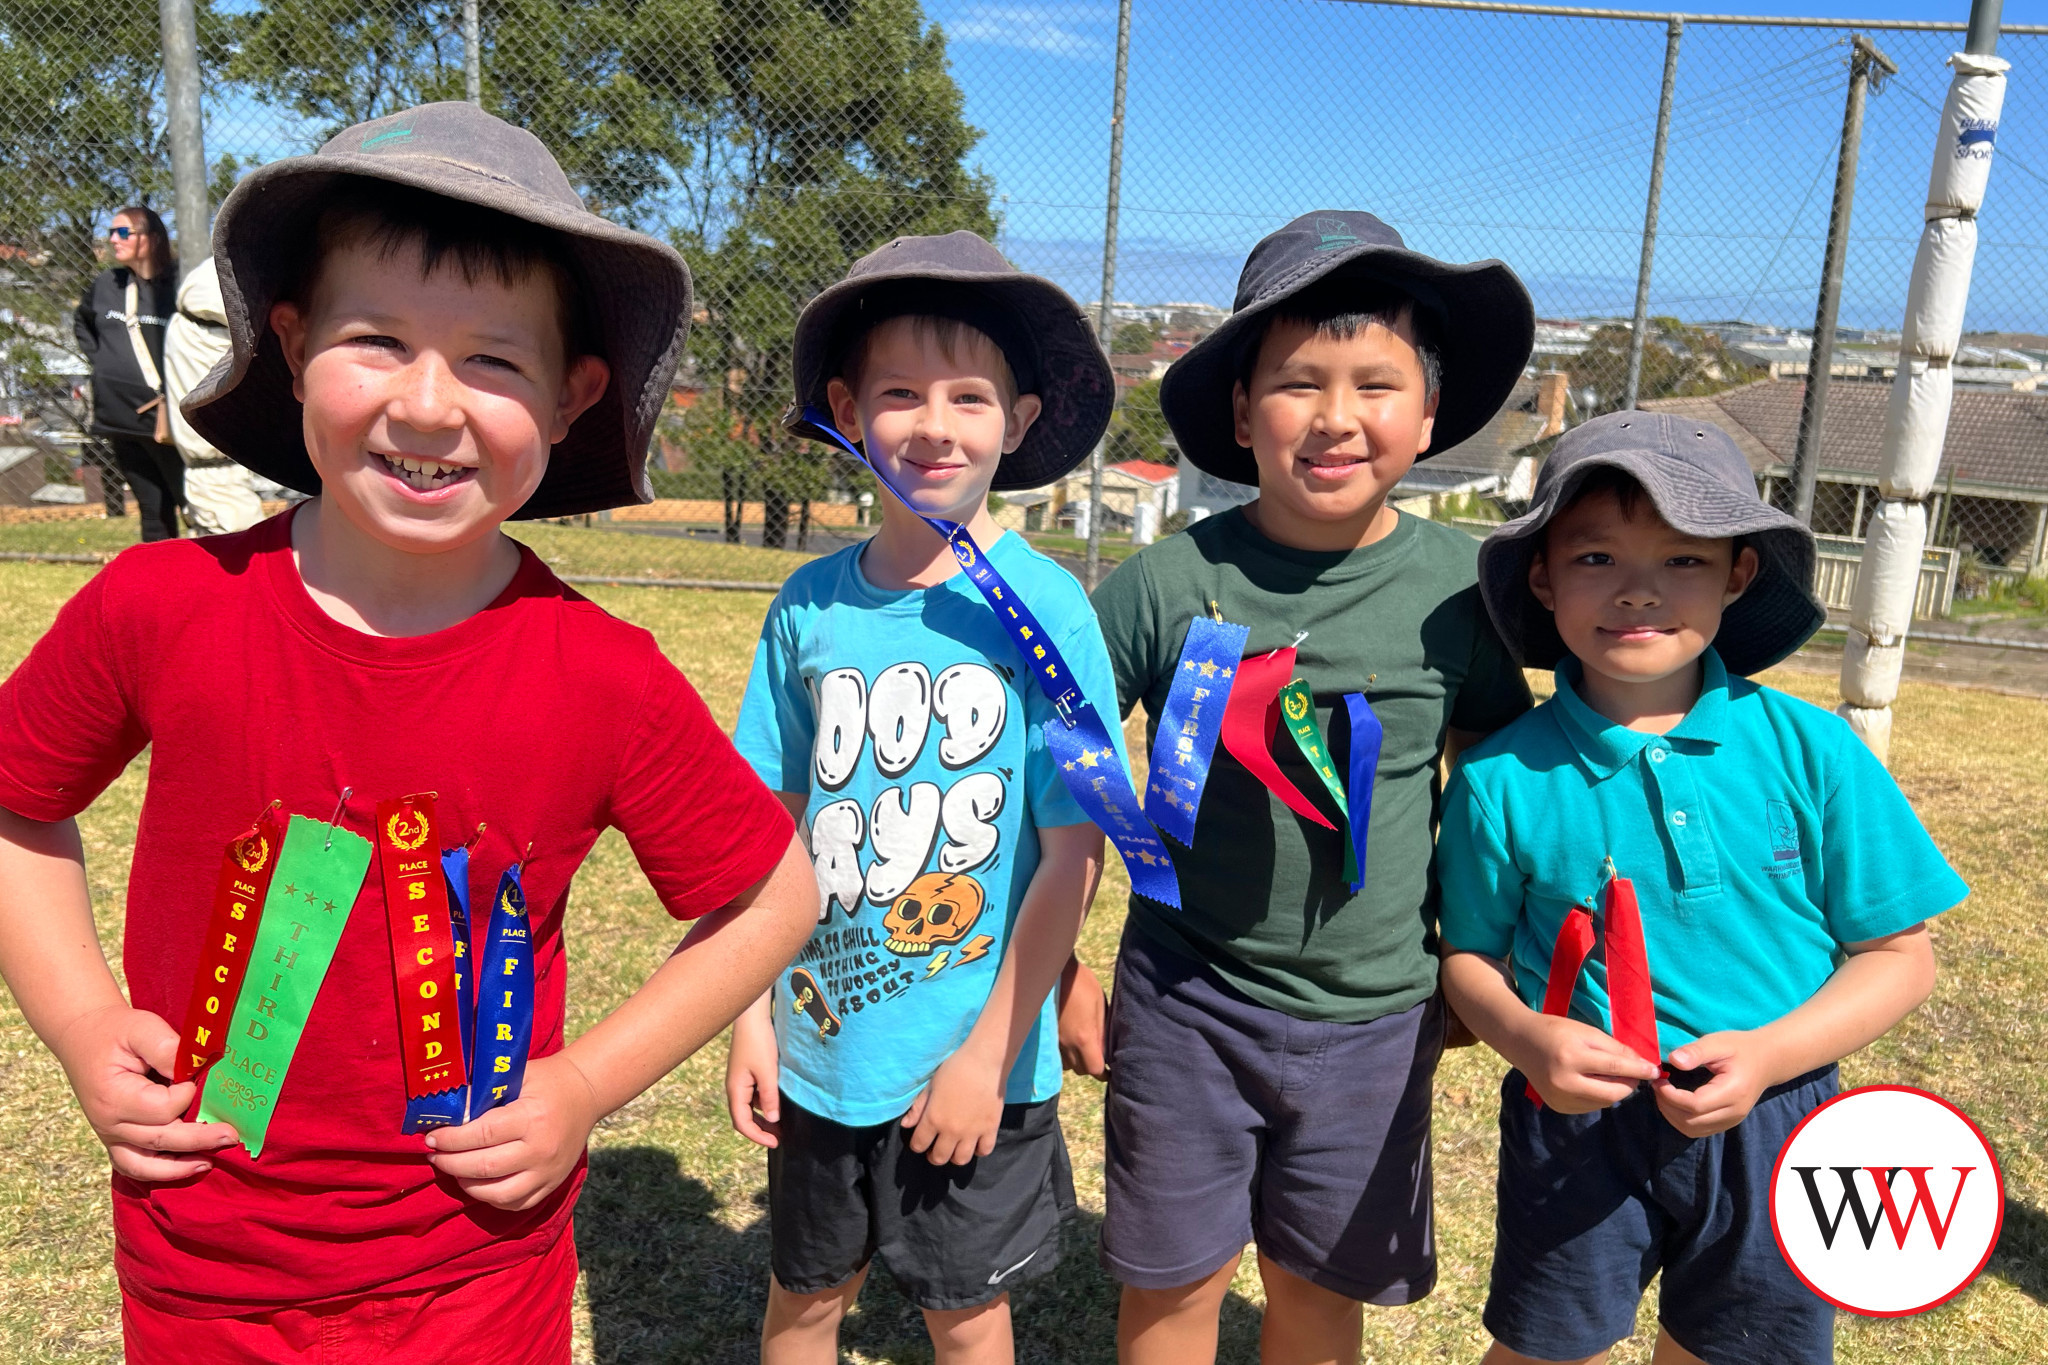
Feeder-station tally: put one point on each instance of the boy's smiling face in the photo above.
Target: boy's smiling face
(1637, 601)
(431, 400)
(936, 425)
(1334, 424)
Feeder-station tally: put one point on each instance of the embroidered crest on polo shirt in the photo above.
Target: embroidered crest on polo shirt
(1784, 828)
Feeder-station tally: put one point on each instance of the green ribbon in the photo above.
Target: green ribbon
(319, 873)
(1298, 710)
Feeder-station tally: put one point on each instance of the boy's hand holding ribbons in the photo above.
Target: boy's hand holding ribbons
(514, 1156)
(113, 1056)
(1575, 1067)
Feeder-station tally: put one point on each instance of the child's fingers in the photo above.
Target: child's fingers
(914, 1115)
(1616, 1058)
(174, 1137)
(132, 1098)
(153, 1040)
(513, 1192)
(144, 1163)
(494, 1129)
(483, 1163)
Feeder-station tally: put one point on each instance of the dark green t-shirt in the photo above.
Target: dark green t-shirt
(1263, 897)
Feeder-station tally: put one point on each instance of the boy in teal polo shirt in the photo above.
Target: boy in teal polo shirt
(1783, 886)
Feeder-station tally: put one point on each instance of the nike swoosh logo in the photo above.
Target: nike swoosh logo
(1005, 1274)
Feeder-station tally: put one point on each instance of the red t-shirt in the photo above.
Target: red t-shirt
(541, 717)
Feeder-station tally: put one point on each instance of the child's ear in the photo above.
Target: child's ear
(288, 320)
(1539, 580)
(585, 382)
(845, 411)
(1241, 413)
(1742, 573)
(1023, 413)
(1428, 422)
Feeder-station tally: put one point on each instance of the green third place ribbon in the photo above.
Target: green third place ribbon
(319, 873)
(1298, 708)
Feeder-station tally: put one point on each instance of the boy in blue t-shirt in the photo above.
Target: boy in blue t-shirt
(904, 1072)
(1780, 884)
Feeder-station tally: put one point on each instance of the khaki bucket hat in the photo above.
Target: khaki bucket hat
(636, 292)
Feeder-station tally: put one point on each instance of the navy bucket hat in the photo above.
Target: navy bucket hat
(1483, 321)
(1041, 331)
(1700, 483)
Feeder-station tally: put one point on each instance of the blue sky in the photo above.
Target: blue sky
(1480, 135)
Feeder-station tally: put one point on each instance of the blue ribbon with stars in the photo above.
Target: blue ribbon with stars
(504, 1000)
(1078, 739)
(1190, 724)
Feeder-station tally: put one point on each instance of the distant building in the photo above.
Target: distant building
(1124, 487)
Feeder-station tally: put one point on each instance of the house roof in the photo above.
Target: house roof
(1994, 439)
(1146, 470)
(1495, 447)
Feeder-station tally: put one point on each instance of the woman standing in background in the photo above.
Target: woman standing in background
(120, 329)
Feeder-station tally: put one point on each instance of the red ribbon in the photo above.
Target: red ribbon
(422, 946)
(1251, 718)
(1632, 1010)
(238, 894)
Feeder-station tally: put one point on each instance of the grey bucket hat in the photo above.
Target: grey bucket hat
(1701, 484)
(1485, 327)
(636, 292)
(1041, 330)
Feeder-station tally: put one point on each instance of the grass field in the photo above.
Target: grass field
(671, 1229)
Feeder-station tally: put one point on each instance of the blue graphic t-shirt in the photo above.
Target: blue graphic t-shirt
(911, 723)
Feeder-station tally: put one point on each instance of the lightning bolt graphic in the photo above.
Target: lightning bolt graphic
(938, 964)
(974, 950)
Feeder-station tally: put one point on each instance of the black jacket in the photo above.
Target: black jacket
(118, 388)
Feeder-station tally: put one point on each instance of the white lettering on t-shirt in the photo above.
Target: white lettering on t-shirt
(836, 834)
(842, 727)
(899, 716)
(968, 814)
(902, 836)
(972, 702)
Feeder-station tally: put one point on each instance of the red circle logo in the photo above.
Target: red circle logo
(1887, 1201)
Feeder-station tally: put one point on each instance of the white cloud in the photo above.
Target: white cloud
(1056, 30)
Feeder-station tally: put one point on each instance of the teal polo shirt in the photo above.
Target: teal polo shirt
(1760, 833)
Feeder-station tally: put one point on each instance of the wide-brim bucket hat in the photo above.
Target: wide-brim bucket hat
(1041, 331)
(1697, 478)
(1482, 318)
(635, 293)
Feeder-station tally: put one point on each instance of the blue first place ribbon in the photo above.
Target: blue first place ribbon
(1190, 723)
(1078, 740)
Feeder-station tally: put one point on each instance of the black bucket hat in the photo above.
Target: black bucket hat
(1701, 484)
(1041, 330)
(1484, 323)
(636, 292)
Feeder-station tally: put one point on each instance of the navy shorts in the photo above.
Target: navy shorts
(1592, 1205)
(1230, 1122)
(953, 1236)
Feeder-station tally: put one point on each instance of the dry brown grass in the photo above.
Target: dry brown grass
(671, 1230)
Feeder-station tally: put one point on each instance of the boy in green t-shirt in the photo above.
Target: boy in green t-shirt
(1274, 1039)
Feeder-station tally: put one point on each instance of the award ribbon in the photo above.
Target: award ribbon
(1250, 719)
(244, 880)
(455, 871)
(1631, 1009)
(504, 1000)
(320, 871)
(422, 946)
(1367, 736)
(1079, 741)
(1190, 723)
(1298, 709)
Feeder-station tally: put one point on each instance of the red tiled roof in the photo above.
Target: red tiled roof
(1148, 471)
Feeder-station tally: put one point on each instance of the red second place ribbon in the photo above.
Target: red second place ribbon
(422, 946)
(238, 893)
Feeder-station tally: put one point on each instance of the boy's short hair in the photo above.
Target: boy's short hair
(1340, 313)
(951, 335)
(389, 218)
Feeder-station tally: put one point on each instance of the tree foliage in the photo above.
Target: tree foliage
(1138, 431)
(1679, 361)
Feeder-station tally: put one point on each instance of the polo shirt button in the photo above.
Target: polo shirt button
(1678, 818)
(1657, 755)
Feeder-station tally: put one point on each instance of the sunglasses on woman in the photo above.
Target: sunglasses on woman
(121, 233)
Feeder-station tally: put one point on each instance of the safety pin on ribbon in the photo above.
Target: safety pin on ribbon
(335, 819)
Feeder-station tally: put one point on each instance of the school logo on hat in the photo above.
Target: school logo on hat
(1887, 1201)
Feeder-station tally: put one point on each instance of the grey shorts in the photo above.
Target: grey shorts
(953, 1236)
(1230, 1122)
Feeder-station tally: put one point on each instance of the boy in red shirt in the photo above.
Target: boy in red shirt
(392, 712)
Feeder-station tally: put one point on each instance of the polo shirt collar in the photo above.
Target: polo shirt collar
(1605, 748)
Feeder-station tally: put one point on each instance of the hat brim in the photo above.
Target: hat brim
(1075, 384)
(1486, 332)
(637, 295)
(1775, 616)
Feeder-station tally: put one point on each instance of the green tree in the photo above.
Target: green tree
(1138, 431)
(1133, 338)
(1678, 361)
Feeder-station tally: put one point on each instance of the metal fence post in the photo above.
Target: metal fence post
(1639, 333)
(472, 55)
(180, 35)
(1863, 55)
(1105, 322)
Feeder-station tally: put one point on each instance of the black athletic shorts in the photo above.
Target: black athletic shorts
(953, 1236)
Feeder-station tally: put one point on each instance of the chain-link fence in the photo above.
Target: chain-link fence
(776, 140)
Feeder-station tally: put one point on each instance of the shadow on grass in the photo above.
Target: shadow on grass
(669, 1282)
(2021, 1259)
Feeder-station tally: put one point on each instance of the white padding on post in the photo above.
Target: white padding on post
(1939, 288)
(1870, 673)
(1969, 131)
(1873, 725)
(1915, 423)
(1890, 572)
